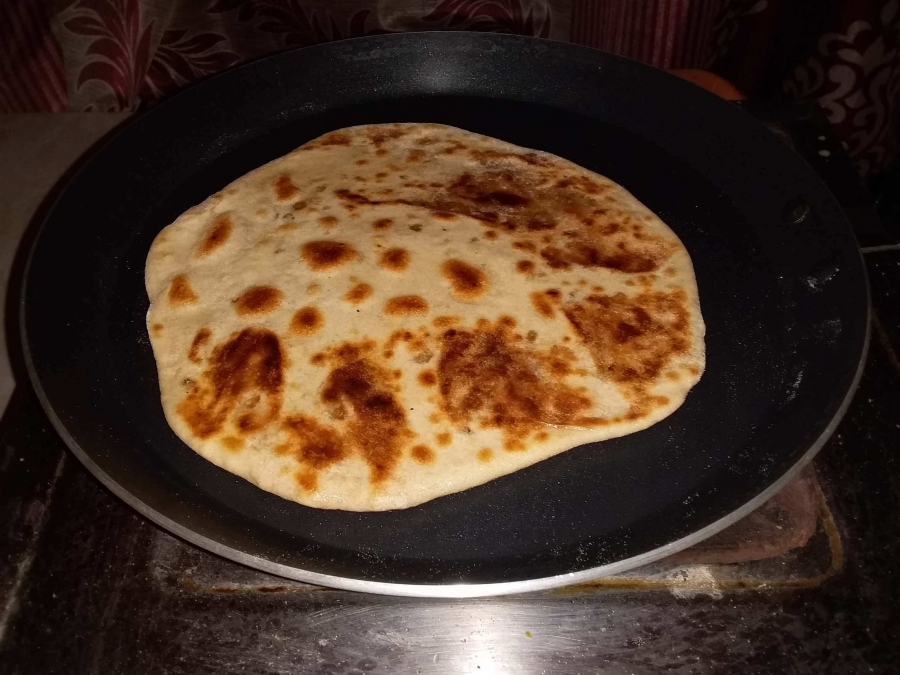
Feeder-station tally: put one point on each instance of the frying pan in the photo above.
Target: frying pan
(782, 289)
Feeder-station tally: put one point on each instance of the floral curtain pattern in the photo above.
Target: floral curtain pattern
(855, 76)
(110, 55)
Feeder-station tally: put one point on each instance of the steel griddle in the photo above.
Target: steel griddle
(781, 281)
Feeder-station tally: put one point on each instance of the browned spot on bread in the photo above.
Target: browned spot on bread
(583, 183)
(313, 445)
(673, 375)
(180, 292)
(504, 196)
(345, 353)
(490, 191)
(490, 234)
(422, 454)
(415, 156)
(385, 132)
(445, 321)
(543, 305)
(466, 281)
(415, 342)
(382, 224)
(485, 455)
(243, 377)
(404, 305)
(453, 148)
(156, 329)
(349, 352)
(299, 206)
(484, 376)
(444, 439)
(559, 360)
(313, 290)
(632, 340)
(377, 428)
(285, 190)
(324, 255)
(307, 321)
(423, 356)
(288, 227)
(623, 259)
(307, 480)
(358, 294)
(482, 198)
(199, 341)
(610, 227)
(395, 259)
(530, 158)
(257, 301)
(417, 345)
(233, 443)
(525, 267)
(351, 200)
(216, 236)
(362, 162)
(328, 221)
(427, 378)
(335, 138)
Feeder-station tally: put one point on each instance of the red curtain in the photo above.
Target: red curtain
(120, 54)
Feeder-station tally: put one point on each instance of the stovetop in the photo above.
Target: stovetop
(804, 584)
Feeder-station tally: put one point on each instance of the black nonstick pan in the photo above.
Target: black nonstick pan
(782, 289)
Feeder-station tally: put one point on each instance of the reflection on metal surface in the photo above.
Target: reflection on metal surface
(821, 558)
(627, 623)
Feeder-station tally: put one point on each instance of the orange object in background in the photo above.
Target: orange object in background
(711, 82)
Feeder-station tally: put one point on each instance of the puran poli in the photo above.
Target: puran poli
(392, 313)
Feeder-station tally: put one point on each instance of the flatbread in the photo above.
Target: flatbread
(392, 313)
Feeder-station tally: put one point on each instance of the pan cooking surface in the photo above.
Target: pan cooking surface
(785, 306)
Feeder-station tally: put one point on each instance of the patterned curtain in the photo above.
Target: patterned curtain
(105, 55)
